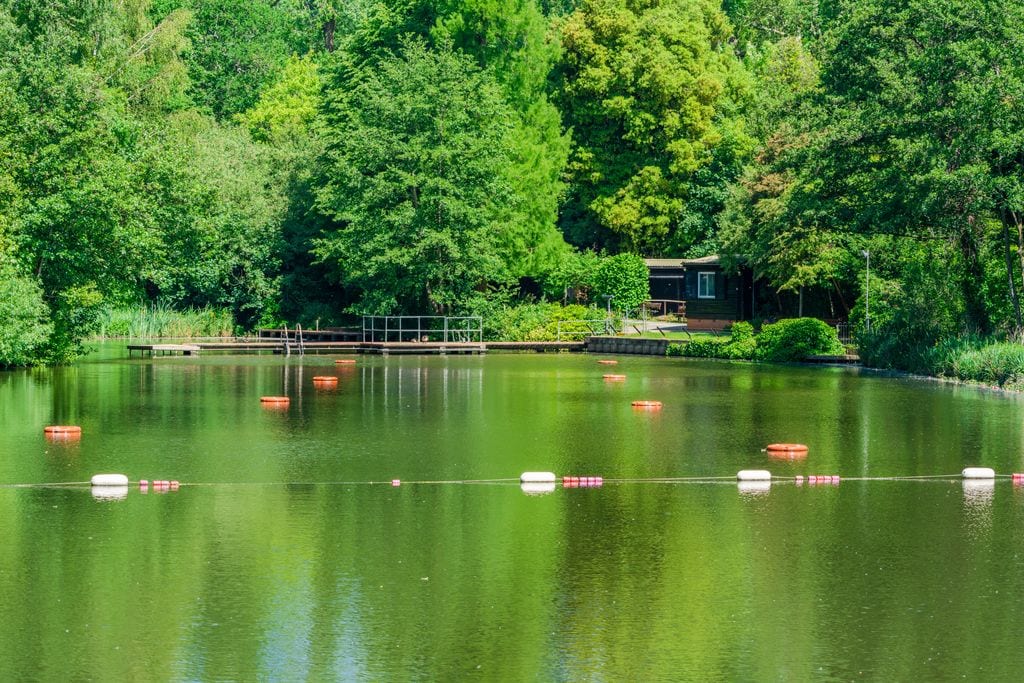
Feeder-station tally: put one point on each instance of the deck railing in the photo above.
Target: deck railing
(423, 328)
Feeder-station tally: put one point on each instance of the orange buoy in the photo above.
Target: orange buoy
(344, 361)
(63, 431)
(325, 379)
(607, 362)
(790, 449)
(275, 401)
(615, 378)
(647, 405)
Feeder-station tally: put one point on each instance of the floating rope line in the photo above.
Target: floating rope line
(564, 481)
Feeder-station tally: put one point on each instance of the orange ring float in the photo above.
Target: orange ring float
(607, 362)
(786, 448)
(649, 405)
(344, 361)
(62, 430)
(275, 400)
(614, 378)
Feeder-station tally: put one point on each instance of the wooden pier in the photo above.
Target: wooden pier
(288, 347)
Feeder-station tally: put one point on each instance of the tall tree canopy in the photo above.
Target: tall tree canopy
(654, 95)
(512, 42)
(917, 127)
(417, 148)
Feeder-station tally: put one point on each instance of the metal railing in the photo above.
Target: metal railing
(844, 332)
(423, 328)
(575, 330)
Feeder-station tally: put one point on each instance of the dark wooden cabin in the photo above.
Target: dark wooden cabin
(713, 298)
(710, 297)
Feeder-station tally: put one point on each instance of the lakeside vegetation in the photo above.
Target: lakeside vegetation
(263, 163)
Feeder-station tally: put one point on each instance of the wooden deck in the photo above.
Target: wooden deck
(382, 348)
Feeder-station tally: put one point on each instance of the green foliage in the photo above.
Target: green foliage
(574, 270)
(741, 331)
(913, 307)
(795, 339)
(542, 322)
(24, 319)
(236, 49)
(415, 181)
(741, 345)
(219, 221)
(1000, 364)
(287, 108)
(626, 278)
(160, 320)
(75, 314)
(653, 94)
(895, 142)
(509, 41)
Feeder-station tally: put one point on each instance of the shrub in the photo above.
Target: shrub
(741, 331)
(626, 278)
(541, 322)
(739, 346)
(795, 339)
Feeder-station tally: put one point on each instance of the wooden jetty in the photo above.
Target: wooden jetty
(288, 347)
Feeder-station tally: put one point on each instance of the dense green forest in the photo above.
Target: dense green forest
(300, 161)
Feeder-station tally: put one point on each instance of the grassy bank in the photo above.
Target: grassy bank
(160, 321)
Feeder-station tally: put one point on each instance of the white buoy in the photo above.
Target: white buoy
(537, 478)
(978, 473)
(753, 475)
(109, 480)
(537, 489)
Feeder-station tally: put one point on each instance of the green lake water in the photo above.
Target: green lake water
(276, 560)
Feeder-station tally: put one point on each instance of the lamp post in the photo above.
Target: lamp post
(866, 253)
(608, 328)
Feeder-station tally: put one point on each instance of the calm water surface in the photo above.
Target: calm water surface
(276, 561)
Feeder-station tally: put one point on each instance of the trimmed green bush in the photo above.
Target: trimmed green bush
(626, 278)
(795, 339)
(741, 345)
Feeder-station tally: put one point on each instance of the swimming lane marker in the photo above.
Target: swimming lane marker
(537, 478)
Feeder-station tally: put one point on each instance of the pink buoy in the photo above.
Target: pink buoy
(175, 484)
(600, 481)
(396, 482)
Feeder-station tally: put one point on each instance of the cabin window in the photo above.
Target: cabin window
(706, 285)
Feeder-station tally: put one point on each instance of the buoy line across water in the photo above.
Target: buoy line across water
(969, 474)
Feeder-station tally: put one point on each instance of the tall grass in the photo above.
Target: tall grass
(998, 363)
(160, 320)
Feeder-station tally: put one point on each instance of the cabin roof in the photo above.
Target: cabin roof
(712, 260)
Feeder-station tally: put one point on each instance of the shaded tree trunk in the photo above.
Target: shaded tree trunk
(1009, 272)
(329, 35)
(970, 284)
